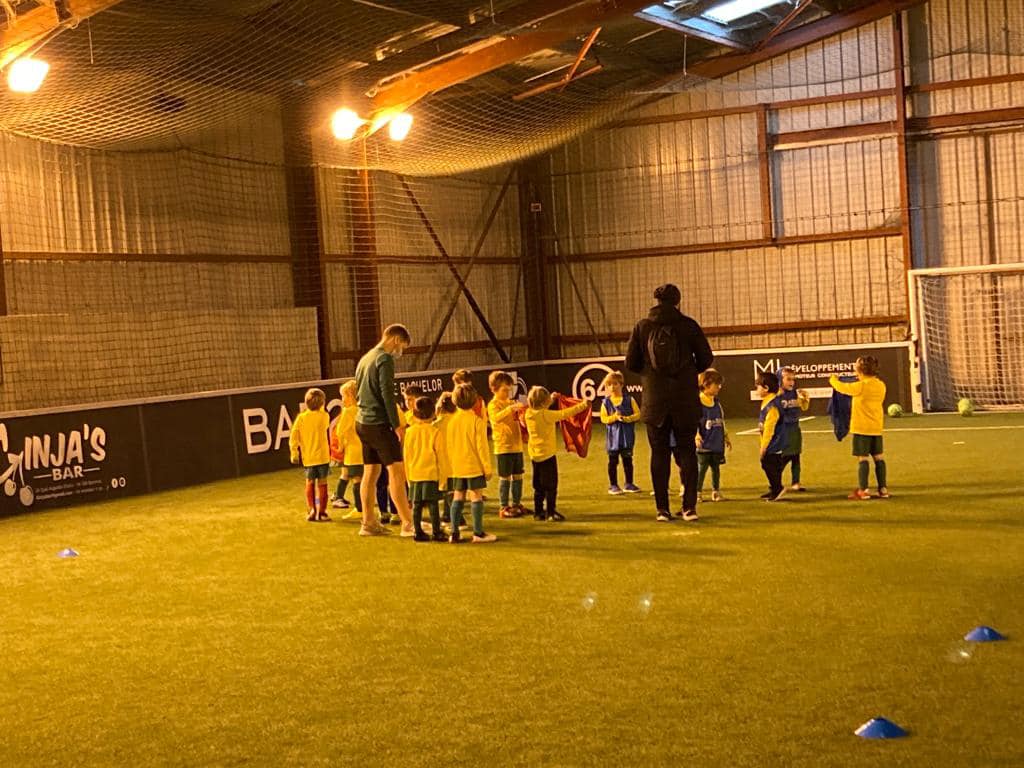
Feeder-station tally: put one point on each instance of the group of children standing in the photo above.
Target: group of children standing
(448, 456)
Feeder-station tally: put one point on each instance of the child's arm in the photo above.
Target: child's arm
(566, 413)
(636, 413)
(853, 389)
(482, 448)
(504, 413)
(609, 417)
(293, 440)
(803, 398)
(443, 462)
(770, 420)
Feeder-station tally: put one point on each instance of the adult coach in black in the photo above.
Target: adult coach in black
(669, 349)
(380, 429)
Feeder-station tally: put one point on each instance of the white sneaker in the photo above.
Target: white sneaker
(716, 496)
(487, 538)
(375, 530)
(340, 504)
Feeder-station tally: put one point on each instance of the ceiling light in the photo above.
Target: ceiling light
(726, 13)
(26, 75)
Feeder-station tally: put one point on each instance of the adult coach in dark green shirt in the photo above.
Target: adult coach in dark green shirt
(379, 426)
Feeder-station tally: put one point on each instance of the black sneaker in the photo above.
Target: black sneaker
(664, 517)
(691, 516)
(539, 516)
(777, 496)
(421, 536)
(439, 536)
(455, 538)
(766, 496)
(556, 517)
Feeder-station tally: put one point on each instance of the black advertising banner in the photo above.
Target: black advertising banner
(187, 443)
(73, 457)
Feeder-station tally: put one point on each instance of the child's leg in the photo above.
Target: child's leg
(716, 475)
(613, 468)
(627, 466)
(458, 502)
(794, 467)
(321, 509)
(357, 493)
(862, 472)
(772, 466)
(310, 495)
(538, 491)
(504, 491)
(703, 462)
(435, 516)
(880, 472)
(382, 493)
(517, 490)
(417, 516)
(551, 490)
(367, 486)
(339, 493)
(476, 506)
(447, 506)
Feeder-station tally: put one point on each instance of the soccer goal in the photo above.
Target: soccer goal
(968, 325)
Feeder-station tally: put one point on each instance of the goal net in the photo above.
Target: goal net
(969, 326)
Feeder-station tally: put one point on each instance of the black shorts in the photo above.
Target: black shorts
(380, 444)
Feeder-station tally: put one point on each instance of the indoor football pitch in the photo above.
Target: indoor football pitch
(214, 626)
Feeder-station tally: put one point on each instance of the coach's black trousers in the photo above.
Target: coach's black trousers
(685, 454)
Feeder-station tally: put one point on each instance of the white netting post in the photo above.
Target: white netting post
(969, 326)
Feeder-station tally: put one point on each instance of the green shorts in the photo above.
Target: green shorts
(355, 471)
(423, 490)
(510, 464)
(469, 483)
(794, 444)
(318, 472)
(867, 445)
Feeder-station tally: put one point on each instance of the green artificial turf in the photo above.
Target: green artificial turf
(214, 626)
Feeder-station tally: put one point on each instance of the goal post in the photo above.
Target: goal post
(967, 324)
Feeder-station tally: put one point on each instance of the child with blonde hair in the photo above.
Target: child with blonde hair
(542, 445)
(866, 422)
(619, 414)
(352, 451)
(508, 443)
(470, 464)
(308, 444)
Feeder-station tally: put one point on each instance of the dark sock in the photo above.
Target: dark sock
(627, 469)
(517, 491)
(862, 475)
(880, 473)
(356, 497)
(504, 486)
(538, 503)
(435, 515)
(613, 469)
(457, 506)
(477, 510)
(417, 517)
(342, 487)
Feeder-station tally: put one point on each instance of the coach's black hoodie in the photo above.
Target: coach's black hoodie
(665, 395)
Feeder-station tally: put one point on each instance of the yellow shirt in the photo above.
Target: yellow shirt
(407, 417)
(348, 440)
(540, 426)
(308, 438)
(505, 426)
(868, 395)
(606, 415)
(467, 445)
(425, 454)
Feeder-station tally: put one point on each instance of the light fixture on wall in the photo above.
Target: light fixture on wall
(399, 126)
(725, 13)
(26, 75)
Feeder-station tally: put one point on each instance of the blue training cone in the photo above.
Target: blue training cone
(880, 728)
(983, 634)
(68, 552)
